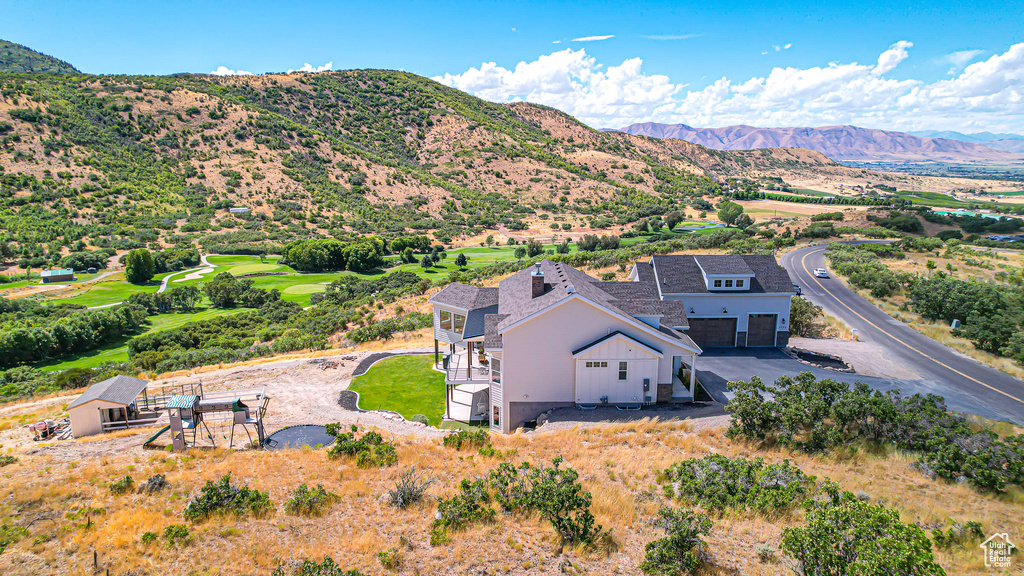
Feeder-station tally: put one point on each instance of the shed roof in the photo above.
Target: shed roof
(61, 272)
(117, 390)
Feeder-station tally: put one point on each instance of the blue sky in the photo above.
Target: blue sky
(690, 45)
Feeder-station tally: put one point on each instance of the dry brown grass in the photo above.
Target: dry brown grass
(618, 463)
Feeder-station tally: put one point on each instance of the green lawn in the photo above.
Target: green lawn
(111, 290)
(404, 384)
(118, 351)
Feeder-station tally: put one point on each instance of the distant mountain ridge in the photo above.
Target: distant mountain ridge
(849, 143)
(972, 137)
(20, 59)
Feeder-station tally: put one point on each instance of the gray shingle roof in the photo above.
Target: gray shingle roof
(515, 301)
(466, 296)
(492, 339)
(682, 275)
(118, 390)
(723, 264)
(475, 321)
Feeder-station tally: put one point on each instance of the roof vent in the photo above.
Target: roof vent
(536, 270)
(570, 289)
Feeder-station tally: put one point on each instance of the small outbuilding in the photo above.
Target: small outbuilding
(109, 405)
(62, 275)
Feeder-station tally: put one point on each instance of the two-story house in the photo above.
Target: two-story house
(551, 336)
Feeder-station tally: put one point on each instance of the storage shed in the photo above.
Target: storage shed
(107, 405)
(63, 275)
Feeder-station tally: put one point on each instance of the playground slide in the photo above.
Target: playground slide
(155, 436)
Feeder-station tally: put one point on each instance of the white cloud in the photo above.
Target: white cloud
(671, 36)
(957, 60)
(307, 67)
(987, 95)
(778, 48)
(593, 38)
(892, 57)
(225, 71)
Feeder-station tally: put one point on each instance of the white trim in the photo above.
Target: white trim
(619, 336)
(628, 319)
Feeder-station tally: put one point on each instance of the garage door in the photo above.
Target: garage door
(709, 332)
(761, 330)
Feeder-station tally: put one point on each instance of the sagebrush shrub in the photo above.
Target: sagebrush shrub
(681, 551)
(306, 501)
(370, 450)
(462, 438)
(223, 498)
(716, 482)
(313, 568)
(843, 535)
(409, 488)
(177, 534)
(122, 486)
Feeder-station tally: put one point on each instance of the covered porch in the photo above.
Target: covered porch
(684, 378)
(462, 364)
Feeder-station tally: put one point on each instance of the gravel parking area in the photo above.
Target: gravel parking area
(867, 358)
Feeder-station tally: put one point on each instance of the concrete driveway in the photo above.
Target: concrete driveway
(718, 366)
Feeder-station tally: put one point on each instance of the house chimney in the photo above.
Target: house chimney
(536, 281)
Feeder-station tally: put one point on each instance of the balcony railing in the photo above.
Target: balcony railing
(460, 369)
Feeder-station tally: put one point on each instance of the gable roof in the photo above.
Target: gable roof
(465, 296)
(682, 274)
(613, 335)
(562, 282)
(723, 264)
(475, 321)
(117, 390)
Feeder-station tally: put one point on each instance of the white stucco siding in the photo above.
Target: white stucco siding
(739, 306)
(538, 365)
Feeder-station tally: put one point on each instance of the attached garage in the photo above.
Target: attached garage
(761, 329)
(711, 332)
(616, 369)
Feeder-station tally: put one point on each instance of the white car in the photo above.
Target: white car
(821, 273)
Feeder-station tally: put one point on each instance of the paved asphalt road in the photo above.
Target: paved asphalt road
(944, 371)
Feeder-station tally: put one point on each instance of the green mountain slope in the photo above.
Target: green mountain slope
(125, 161)
(18, 58)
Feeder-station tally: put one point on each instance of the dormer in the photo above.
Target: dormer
(725, 273)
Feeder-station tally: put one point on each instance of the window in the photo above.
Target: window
(728, 283)
(496, 417)
(460, 323)
(496, 370)
(718, 283)
(739, 283)
(596, 364)
(622, 370)
(446, 320)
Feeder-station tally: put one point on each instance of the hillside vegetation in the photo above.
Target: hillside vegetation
(130, 161)
(18, 58)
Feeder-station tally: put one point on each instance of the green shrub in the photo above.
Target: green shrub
(960, 534)
(177, 534)
(846, 536)
(468, 505)
(716, 482)
(816, 415)
(370, 450)
(555, 493)
(681, 551)
(313, 568)
(223, 498)
(7, 460)
(9, 534)
(469, 439)
(149, 537)
(305, 501)
(390, 559)
(155, 483)
(122, 486)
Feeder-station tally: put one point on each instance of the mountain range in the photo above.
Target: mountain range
(844, 143)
